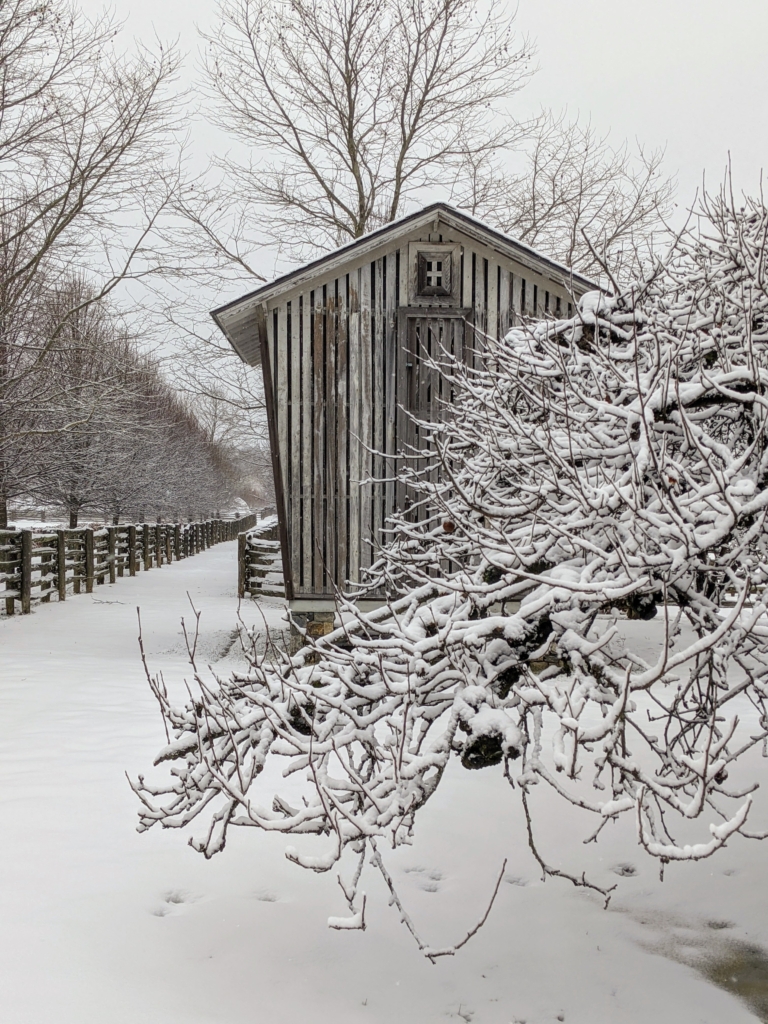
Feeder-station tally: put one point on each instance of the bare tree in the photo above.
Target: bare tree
(352, 107)
(576, 198)
(84, 173)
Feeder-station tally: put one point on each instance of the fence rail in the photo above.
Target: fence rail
(259, 561)
(37, 566)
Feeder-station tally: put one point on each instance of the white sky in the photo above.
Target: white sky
(687, 75)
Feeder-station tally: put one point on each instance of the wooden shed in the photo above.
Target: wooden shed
(340, 342)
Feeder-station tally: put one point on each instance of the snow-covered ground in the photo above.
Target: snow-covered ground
(99, 924)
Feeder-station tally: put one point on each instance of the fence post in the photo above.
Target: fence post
(145, 544)
(88, 561)
(131, 550)
(79, 559)
(112, 552)
(242, 541)
(168, 544)
(177, 540)
(61, 564)
(9, 601)
(26, 572)
(158, 545)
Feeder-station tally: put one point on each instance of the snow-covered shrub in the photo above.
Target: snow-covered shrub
(610, 466)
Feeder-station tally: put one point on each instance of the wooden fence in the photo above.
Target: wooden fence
(259, 561)
(36, 566)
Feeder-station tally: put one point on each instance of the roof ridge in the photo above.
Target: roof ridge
(284, 281)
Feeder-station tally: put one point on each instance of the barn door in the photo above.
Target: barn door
(433, 341)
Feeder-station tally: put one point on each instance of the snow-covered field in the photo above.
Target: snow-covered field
(100, 925)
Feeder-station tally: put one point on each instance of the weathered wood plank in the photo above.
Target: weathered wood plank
(112, 552)
(422, 383)
(390, 381)
(379, 408)
(416, 325)
(481, 325)
(307, 444)
(267, 354)
(25, 586)
(342, 435)
(294, 398)
(467, 278)
(492, 311)
(516, 298)
(318, 461)
(242, 542)
(366, 410)
(88, 544)
(505, 298)
(61, 564)
(281, 406)
(457, 341)
(331, 439)
(355, 447)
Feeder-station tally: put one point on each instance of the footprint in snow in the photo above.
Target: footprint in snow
(427, 880)
(264, 896)
(436, 876)
(173, 898)
(625, 870)
(515, 880)
(178, 896)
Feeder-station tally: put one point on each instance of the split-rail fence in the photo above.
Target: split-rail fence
(36, 566)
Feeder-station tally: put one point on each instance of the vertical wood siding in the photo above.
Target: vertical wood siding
(346, 361)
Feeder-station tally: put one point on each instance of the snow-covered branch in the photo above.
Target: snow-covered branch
(608, 468)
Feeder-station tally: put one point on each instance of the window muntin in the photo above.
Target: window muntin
(434, 273)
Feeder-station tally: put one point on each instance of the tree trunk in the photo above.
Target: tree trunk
(3, 512)
(73, 520)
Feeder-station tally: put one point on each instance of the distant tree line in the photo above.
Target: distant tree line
(93, 427)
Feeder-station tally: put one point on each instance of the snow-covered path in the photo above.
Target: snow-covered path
(99, 924)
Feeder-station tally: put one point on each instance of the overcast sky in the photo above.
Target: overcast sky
(687, 75)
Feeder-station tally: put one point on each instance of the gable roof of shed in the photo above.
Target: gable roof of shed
(235, 319)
